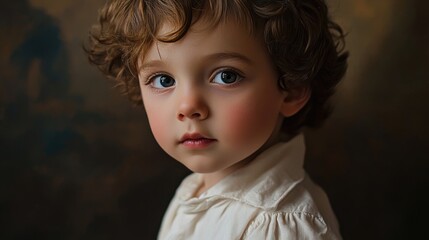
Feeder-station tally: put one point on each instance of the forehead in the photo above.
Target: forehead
(204, 38)
(204, 25)
(205, 21)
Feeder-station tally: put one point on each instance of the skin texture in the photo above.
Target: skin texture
(212, 98)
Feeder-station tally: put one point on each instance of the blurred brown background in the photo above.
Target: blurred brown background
(77, 161)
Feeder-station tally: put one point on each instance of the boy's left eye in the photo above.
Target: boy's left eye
(225, 77)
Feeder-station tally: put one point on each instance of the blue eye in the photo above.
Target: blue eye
(162, 81)
(226, 77)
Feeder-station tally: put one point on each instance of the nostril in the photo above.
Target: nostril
(181, 116)
(195, 115)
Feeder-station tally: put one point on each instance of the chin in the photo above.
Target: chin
(202, 168)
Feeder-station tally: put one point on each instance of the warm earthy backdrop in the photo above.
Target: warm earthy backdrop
(77, 161)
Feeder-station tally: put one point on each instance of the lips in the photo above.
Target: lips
(196, 140)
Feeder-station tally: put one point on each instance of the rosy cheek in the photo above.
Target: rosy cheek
(157, 125)
(240, 122)
(250, 121)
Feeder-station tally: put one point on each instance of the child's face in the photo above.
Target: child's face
(211, 98)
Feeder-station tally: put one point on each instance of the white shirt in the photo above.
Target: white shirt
(270, 198)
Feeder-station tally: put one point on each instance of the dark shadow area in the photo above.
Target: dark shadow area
(375, 166)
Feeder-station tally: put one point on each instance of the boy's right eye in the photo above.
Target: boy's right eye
(162, 81)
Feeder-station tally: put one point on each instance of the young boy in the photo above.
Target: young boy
(227, 86)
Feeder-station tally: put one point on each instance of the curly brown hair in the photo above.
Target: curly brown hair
(305, 44)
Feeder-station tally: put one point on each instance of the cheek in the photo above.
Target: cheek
(248, 122)
(240, 122)
(157, 124)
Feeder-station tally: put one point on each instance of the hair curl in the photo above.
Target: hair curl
(305, 44)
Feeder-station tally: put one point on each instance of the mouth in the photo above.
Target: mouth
(196, 140)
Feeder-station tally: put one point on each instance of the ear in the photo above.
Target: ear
(294, 101)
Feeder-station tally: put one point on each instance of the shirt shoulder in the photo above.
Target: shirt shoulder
(289, 225)
(304, 213)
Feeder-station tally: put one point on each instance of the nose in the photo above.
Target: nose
(192, 106)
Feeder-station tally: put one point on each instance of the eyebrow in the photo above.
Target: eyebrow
(150, 64)
(211, 57)
(229, 55)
